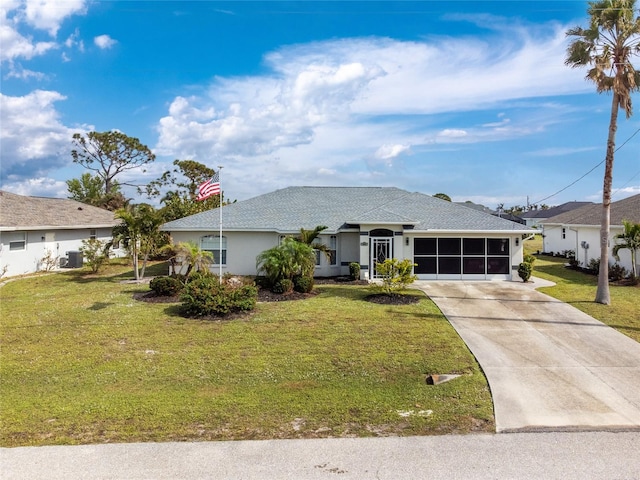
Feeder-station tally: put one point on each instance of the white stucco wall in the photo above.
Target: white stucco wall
(39, 242)
(590, 234)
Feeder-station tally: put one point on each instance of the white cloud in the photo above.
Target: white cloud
(40, 186)
(388, 152)
(15, 45)
(452, 133)
(49, 14)
(104, 41)
(46, 15)
(561, 151)
(33, 138)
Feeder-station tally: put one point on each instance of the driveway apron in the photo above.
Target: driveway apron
(549, 366)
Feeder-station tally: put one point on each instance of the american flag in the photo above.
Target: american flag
(209, 188)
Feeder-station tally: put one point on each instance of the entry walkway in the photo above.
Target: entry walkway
(549, 366)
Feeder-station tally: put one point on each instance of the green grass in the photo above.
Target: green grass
(579, 290)
(83, 362)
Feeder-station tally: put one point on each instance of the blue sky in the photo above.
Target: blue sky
(469, 98)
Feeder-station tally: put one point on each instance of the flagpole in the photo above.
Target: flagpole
(220, 242)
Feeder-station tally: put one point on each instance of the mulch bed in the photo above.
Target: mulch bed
(266, 295)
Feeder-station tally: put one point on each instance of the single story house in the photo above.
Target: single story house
(532, 218)
(365, 225)
(579, 230)
(37, 233)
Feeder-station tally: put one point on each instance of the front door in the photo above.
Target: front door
(381, 249)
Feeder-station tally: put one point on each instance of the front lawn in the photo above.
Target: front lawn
(579, 289)
(83, 362)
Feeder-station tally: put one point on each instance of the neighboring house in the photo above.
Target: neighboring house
(579, 230)
(365, 225)
(533, 218)
(32, 228)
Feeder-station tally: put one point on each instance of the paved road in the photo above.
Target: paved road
(549, 365)
(522, 456)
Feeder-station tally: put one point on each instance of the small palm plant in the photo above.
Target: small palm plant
(629, 239)
(197, 260)
(287, 260)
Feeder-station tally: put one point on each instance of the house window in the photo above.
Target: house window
(211, 243)
(564, 233)
(317, 252)
(17, 240)
(92, 234)
(333, 250)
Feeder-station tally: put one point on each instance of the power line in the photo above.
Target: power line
(576, 181)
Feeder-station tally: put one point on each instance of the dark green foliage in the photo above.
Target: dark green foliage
(617, 272)
(594, 266)
(204, 295)
(282, 286)
(167, 286)
(354, 270)
(524, 271)
(529, 259)
(303, 284)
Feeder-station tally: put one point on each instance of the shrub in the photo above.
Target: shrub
(303, 284)
(395, 274)
(166, 286)
(524, 271)
(575, 264)
(594, 266)
(354, 270)
(617, 272)
(204, 295)
(529, 259)
(282, 286)
(95, 253)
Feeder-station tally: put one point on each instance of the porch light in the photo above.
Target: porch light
(406, 241)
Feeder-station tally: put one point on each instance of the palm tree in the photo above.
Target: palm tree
(606, 46)
(309, 237)
(197, 259)
(629, 239)
(286, 260)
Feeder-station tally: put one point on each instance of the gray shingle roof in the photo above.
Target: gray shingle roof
(625, 209)
(553, 211)
(18, 212)
(292, 208)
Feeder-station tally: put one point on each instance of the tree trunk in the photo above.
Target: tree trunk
(602, 293)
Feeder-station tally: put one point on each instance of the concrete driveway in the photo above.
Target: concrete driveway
(550, 367)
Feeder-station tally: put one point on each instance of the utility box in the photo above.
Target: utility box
(75, 259)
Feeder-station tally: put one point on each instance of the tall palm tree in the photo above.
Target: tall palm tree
(606, 46)
(629, 239)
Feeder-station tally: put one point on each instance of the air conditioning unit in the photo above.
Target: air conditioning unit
(75, 259)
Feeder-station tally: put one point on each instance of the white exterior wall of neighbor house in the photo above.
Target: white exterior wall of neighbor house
(575, 235)
(558, 238)
(38, 243)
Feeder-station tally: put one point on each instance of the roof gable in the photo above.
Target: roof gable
(19, 212)
(292, 208)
